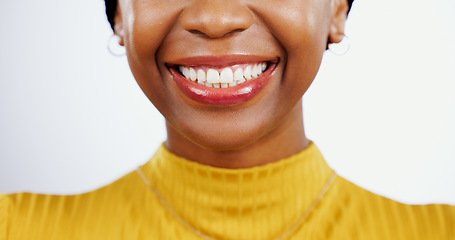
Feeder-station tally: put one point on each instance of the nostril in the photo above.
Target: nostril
(196, 32)
(236, 30)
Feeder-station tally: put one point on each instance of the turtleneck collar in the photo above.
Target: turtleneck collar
(262, 201)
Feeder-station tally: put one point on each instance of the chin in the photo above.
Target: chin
(229, 142)
(232, 138)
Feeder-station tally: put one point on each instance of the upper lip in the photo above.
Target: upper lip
(220, 61)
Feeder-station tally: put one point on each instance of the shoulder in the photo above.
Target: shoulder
(394, 220)
(4, 215)
(38, 212)
(120, 187)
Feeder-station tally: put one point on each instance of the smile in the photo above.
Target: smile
(222, 81)
(223, 77)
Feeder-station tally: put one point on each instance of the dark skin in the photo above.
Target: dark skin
(262, 130)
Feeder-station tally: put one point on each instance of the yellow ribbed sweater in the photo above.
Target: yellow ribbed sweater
(255, 203)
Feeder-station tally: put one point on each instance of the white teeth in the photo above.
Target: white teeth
(238, 74)
(255, 71)
(247, 73)
(185, 72)
(213, 76)
(226, 76)
(201, 75)
(259, 69)
(192, 74)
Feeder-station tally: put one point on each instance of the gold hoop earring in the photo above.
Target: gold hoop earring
(340, 48)
(114, 48)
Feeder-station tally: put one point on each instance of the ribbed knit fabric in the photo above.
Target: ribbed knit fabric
(254, 203)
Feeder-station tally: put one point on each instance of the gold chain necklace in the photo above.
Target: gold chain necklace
(307, 212)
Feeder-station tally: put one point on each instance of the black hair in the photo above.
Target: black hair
(111, 7)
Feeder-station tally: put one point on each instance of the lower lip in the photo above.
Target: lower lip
(223, 96)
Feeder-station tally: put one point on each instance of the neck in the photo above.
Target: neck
(284, 140)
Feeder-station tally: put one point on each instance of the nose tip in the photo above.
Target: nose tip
(216, 18)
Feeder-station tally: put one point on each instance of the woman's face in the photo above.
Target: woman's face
(281, 42)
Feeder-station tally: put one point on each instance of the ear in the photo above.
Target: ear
(339, 15)
(118, 25)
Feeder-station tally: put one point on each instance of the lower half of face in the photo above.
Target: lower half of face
(225, 73)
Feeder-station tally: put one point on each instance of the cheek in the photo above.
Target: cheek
(297, 24)
(147, 25)
(302, 28)
(146, 28)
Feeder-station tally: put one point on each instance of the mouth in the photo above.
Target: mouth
(215, 82)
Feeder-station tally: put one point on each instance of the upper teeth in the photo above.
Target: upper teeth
(225, 77)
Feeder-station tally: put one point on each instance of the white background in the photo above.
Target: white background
(72, 118)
